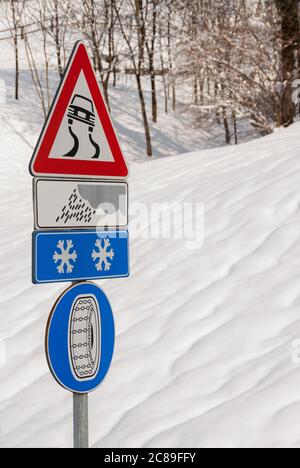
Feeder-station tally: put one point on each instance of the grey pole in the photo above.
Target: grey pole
(81, 421)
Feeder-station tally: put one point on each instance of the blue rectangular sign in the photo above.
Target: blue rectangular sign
(79, 255)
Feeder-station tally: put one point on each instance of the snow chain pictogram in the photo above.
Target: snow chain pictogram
(84, 338)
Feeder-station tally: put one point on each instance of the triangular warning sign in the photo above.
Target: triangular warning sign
(78, 138)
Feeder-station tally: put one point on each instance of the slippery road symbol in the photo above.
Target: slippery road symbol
(82, 110)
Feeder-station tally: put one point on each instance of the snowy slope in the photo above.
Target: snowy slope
(204, 338)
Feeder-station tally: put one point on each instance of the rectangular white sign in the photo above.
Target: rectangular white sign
(73, 204)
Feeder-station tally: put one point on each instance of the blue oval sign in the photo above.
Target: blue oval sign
(80, 338)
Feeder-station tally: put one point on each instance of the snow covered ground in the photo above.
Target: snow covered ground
(204, 337)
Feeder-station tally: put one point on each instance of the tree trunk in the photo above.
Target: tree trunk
(226, 127)
(17, 69)
(144, 114)
(16, 47)
(57, 41)
(154, 98)
(151, 53)
(174, 97)
(195, 90)
(104, 80)
(105, 91)
(235, 127)
(166, 98)
(162, 64)
(288, 10)
(201, 90)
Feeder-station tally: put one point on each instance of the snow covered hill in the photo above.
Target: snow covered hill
(204, 338)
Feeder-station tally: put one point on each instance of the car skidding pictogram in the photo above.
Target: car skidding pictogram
(78, 138)
(82, 110)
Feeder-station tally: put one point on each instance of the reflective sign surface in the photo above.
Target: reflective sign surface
(73, 204)
(80, 338)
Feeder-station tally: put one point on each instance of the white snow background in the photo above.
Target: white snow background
(204, 338)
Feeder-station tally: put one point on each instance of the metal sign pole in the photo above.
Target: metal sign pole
(80, 418)
(81, 421)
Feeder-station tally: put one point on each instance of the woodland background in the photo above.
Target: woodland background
(239, 60)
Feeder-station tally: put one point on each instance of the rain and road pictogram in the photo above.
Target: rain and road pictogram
(80, 204)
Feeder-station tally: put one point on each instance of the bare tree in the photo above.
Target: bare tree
(132, 25)
(14, 12)
(96, 20)
(234, 59)
(37, 13)
(290, 31)
(58, 12)
(235, 49)
(150, 41)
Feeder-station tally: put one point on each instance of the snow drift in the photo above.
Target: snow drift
(204, 338)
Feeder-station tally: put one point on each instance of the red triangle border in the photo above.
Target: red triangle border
(41, 164)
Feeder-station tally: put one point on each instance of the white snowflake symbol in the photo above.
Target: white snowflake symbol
(65, 257)
(103, 254)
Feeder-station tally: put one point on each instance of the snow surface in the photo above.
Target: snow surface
(204, 338)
